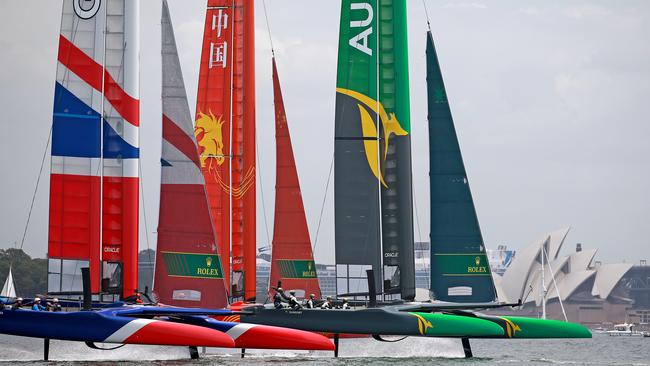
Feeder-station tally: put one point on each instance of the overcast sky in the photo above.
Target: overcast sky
(550, 101)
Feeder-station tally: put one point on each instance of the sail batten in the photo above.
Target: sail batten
(460, 271)
(292, 257)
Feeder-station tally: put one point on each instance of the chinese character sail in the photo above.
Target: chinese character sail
(188, 268)
(460, 271)
(95, 149)
(292, 256)
(225, 132)
(372, 149)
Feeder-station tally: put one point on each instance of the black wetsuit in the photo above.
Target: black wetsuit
(278, 299)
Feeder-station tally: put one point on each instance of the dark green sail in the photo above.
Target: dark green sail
(372, 144)
(460, 271)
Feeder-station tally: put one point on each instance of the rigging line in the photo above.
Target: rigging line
(322, 207)
(426, 13)
(268, 27)
(38, 180)
(259, 171)
(557, 291)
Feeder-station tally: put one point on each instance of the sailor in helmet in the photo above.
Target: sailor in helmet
(37, 305)
(293, 301)
(328, 303)
(55, 306)
(17, 304)
(310, 303)
(278, 298)
(345, 304)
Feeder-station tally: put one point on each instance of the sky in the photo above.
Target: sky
(550, 102)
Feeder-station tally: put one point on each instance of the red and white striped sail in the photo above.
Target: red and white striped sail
(95, 148)
(186, 240)
(292, 256)
(225, 132)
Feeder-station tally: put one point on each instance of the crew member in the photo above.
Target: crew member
(345, 304)
(310, 303)
(328, 304)
(17, 304)
(55, 306)
(278, 298)
(37, 305)
(293, 301)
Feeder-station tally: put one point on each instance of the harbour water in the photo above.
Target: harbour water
(601, 350)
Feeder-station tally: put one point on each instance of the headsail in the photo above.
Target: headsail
(292, 256)
(372, 148)
(95, 149)
(460, 271)
(188, 267)
(9, 288)
(225, 132)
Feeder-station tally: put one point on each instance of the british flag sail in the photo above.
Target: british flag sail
(225, 133)
(188, 268)
(95, 149)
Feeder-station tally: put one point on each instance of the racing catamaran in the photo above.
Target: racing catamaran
(373, 203)
(94, 201)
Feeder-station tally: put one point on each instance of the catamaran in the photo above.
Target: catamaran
(93, 239)
(373, 203)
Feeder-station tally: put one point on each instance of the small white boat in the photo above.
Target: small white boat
(625, 330)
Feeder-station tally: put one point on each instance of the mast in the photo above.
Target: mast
(459, 267)
(543, 287)
(225, 134)
(373, 196)
(94, 182)
(292, 256)
(188, 266)
(250, 226)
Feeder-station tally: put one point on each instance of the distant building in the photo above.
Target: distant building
(500, 258)
(592, 293)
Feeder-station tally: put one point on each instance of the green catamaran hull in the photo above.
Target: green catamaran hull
(390, 320)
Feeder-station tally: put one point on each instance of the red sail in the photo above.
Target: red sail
(225, 132)
(188, 268)
(293, 259)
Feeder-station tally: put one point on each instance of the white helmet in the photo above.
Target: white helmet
(36, 299)
(55, 300)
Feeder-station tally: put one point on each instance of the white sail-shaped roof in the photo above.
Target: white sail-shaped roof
(527, 263)
(9, 289)
(607, 277)
(582, 260)
(570, 283)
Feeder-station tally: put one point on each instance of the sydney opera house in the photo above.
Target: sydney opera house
(586, 290)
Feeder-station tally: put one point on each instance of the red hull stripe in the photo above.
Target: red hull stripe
(269, 337)
(179, 139)
(90, 71)
(146, 331)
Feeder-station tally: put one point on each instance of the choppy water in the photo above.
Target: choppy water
(601, 350)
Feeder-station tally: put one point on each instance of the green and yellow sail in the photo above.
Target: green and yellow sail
(373, 197)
